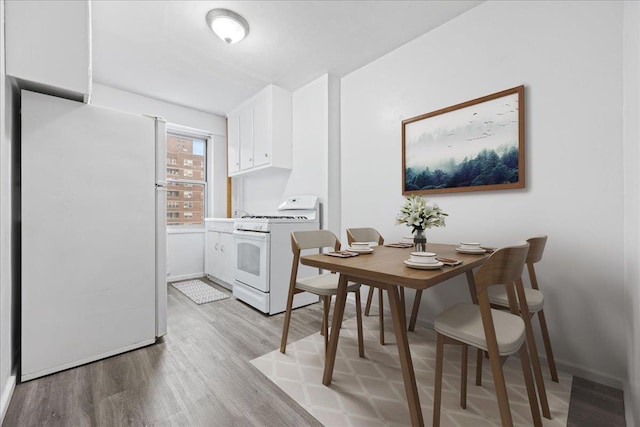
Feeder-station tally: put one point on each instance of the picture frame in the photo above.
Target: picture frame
(477, 145)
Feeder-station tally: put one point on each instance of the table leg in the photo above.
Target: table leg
(381, 315)
(338, 312)
(408, 374)
(416, 307)
(472, 287)
(404, 307)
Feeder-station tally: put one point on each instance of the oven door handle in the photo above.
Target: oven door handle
(254, 235)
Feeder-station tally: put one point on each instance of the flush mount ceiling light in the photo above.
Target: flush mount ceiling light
(227, 25)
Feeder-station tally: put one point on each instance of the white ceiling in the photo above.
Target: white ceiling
(165, 50)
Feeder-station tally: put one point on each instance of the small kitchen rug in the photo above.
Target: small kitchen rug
(199, 292)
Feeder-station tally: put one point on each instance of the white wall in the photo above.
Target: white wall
(9, 309)
(631, 129)
(122, 100)
(315, 142)
(334, 221)
(310, 109)
(217, 160)
(184, 259)
(186, 245)
(569, 57)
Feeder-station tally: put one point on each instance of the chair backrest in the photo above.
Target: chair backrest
(503, 267)
(536, 249)
(364, 235)
(313, 239)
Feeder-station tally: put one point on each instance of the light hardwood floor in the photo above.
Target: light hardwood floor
(200, 375)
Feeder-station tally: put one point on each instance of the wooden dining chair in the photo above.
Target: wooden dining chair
(498, 298)
(535, 298)
(495, 331)
(324, 285)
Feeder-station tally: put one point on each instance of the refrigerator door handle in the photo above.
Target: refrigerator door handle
(162, 266)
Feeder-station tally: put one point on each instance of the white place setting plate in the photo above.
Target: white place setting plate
(360, 251)
(470, 251)
(422, 266)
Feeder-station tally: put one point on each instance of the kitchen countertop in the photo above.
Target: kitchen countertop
(219, 219)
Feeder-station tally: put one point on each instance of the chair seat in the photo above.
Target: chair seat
(323, 284)
(463, 322)
(498, 296)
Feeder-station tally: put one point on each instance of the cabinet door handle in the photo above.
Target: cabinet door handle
(266, 155)
(221, 248)
(216, 247)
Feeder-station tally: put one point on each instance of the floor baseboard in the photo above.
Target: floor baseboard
(7, 393)
(588, 374)
(185, 277)
(628, 406)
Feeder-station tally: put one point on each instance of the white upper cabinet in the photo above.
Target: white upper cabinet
(263, 137)
(262, 129)
(48, 46)
(246, 138)
(233, 143)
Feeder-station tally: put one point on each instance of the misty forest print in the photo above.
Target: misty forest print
(473, 146)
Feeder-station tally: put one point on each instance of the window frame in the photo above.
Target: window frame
(183, 132)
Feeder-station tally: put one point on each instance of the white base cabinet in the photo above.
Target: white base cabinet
(259, 132)
(219, 257)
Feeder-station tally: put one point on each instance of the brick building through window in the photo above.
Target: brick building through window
(186, 180)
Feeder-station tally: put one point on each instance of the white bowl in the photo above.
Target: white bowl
(423, 257)
(359, 245)
(469, 245)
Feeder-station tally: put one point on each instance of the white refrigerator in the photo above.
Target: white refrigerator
(93, 233)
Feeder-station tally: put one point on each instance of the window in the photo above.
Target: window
(186, 179)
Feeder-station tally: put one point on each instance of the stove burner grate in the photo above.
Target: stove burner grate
(273, 217)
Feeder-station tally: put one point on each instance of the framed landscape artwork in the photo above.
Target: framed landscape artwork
(476, 145)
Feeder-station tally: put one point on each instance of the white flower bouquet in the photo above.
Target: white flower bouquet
(420, 214)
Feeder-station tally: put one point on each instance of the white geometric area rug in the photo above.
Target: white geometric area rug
(370, 391)
(199, 292)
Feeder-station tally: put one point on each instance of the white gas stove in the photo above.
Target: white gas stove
(294, 210)
(262, 245)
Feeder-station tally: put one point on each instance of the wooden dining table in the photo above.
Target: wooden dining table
(384, 268)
